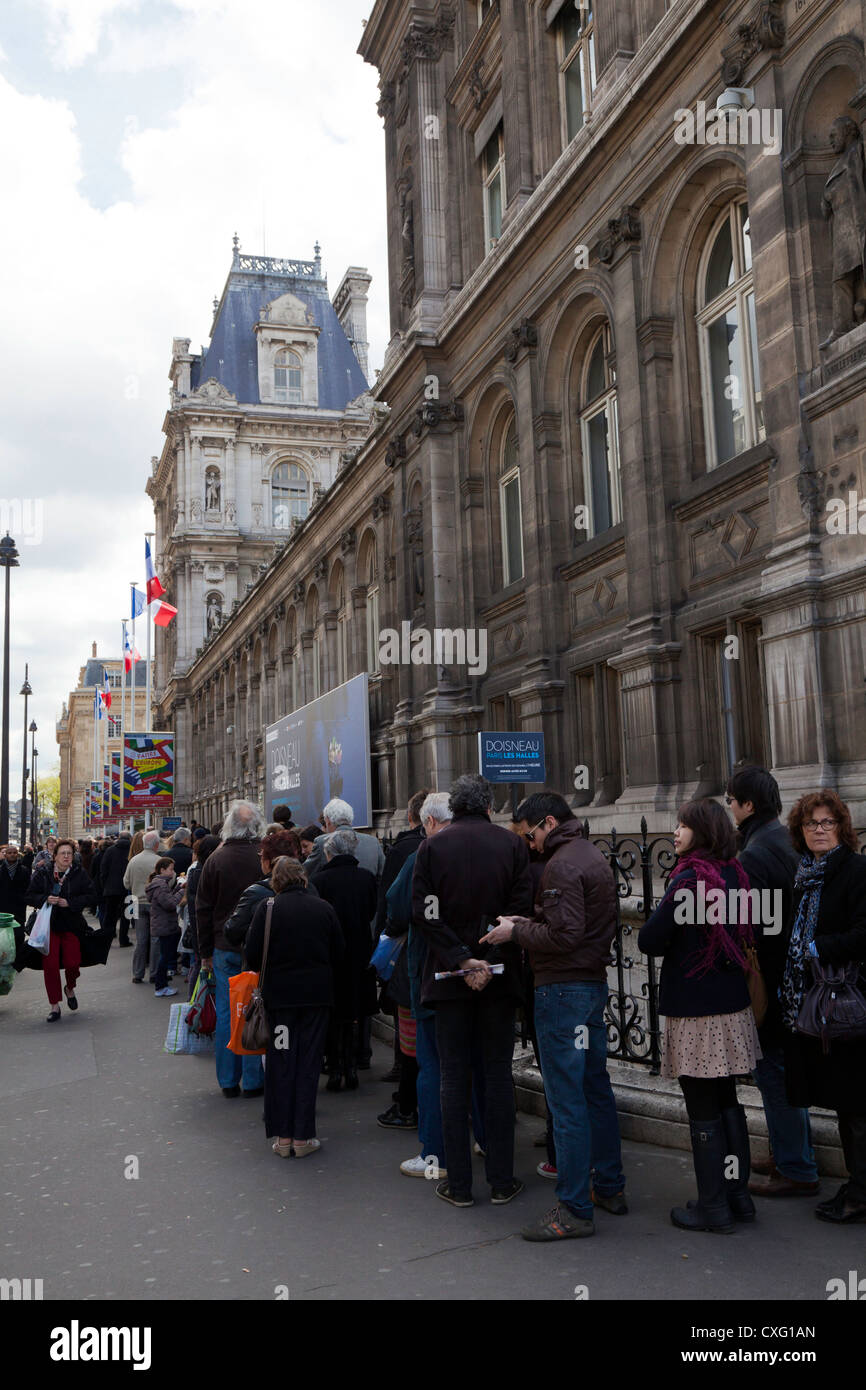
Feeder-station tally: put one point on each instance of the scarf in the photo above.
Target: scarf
(719, 943)
(809, 877)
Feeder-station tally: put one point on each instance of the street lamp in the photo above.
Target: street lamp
(26, 690)
(9, 560)
(33, 783)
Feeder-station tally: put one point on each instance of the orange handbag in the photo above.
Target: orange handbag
(240, 997)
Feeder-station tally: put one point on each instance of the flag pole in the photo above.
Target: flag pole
(132, 690)
(148, 535)
(123, 676)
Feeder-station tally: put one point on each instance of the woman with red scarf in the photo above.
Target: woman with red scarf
(702, 929)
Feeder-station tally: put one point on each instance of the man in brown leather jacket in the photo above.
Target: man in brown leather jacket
(568, 939)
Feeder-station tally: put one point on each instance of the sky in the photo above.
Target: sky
(138, 136)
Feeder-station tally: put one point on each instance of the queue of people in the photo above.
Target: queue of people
(752, 918)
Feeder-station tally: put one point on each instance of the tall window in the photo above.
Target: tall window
(342, 636)
(730, 370)
(287, 377)
(290, 495)
(510, 509)
(576, 38)
(114, 726)
(493, 172)
(599, 437)
(734, 700)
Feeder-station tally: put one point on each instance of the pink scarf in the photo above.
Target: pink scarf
(719, 942)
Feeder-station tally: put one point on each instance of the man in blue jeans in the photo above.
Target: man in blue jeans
(226, 873)
(568, 939)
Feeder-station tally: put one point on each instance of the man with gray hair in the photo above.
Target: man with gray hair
(180, 852)
(466, 877)
(226, 873)
(138, 871)
(369, 853)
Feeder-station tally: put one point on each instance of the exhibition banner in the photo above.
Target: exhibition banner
(514, 756)
(116, 782)
(320, 751)
(95, 801)
(148, 772)
(106, 792)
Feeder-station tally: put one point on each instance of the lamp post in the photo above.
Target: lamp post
(26, 690)
(9, 560)
(33, 783)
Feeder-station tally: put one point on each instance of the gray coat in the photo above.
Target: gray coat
(368, 852)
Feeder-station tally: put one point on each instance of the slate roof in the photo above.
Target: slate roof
(94, 672)
(232, 356)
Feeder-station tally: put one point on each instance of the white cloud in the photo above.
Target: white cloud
(273, 109)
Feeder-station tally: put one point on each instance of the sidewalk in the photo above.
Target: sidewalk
(214, 1214)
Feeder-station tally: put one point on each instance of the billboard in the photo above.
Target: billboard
(320, 751)
(95, 811)
(106, 791)
(116, 782)
(516, 756)
(148, 772)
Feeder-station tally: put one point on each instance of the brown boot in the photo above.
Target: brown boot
(777, 1185)
(766, 1166)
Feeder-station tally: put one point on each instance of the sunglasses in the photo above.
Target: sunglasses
(529, 834)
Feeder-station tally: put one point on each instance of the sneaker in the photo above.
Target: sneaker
(461, 1200)
(164, 993)
(392, 1119)
(500, 1195)
(417, 1168)
(547, 1170)
(558, 1224)
(616, 1205)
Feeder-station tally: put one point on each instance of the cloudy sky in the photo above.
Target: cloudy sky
(138, 135)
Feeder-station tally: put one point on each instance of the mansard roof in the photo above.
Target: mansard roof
(94, 673)
(232, 356)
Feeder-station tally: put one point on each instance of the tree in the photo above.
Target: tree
(48, 792)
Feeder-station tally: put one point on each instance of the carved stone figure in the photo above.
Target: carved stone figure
(407, 234)
(212, 490)
(844, 203)
(214, 613)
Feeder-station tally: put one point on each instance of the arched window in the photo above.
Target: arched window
(509, 507)
(287, 377)
(343, 617)
(372, 612)
(730, 371)
(576, 39)
(599, 437)
(290, 495)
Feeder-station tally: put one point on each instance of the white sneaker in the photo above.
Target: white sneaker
(164, 993)
(417, 1168)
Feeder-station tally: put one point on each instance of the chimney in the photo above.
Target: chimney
(93, 652)
(350, 303)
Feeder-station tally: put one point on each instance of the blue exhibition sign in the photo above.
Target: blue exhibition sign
(513, 756)
(320, 751)
(171, 822)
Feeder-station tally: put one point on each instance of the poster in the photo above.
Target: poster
(514, 756)
(106, 792)
(95, 802)
(116, 769)
(148, 772)
(320, 751)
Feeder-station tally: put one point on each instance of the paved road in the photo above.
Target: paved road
(215, 1215)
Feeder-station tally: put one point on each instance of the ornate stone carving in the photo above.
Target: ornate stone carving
(476, 84)
(385, 104)
(381, 505)
(428, 41)
(195, 510)
(523, 335)
(766, 29)
(347, 457)
(257, 514)
(415, 540)
(433, 413)
(844, 205)
(347, 541)
(299, 591)
(620, 229)
(395, 450)
(214, 614)
(320, 569)
(212, 489)
(231, 512)
(810, 480)
(213, 390)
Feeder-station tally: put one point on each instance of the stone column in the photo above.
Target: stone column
(517, 107)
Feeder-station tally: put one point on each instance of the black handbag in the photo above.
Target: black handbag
(833, 1008)
(95, 946)
(256, 1032)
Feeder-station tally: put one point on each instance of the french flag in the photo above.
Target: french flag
(163, 613)
(154, 588)
(128, 656)
(105, 693)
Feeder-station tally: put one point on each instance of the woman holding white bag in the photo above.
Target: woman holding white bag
(67, 889)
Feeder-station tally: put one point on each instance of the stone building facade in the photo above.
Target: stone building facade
(625, 387)
(76, 730)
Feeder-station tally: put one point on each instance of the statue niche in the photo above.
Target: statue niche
(214, 613)
(844, 205)
(212, 490)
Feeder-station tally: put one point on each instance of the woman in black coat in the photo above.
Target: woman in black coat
(710, 1032)
(304, 952)
(351, 891)
(830, 924)
(68, 889)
